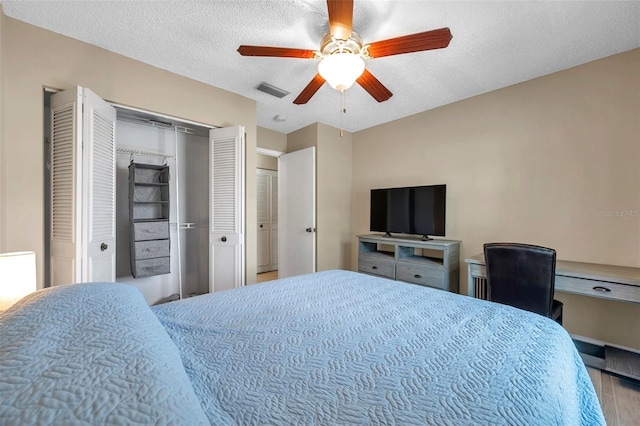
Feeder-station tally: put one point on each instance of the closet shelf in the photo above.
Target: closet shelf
(151, 202)
(152, 166)
(152, 183)
(149, 219)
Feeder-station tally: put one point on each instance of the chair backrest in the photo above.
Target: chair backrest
(521, 275)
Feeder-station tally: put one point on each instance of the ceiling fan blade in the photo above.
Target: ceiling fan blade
(278, 52)
(340, 18)
(373, 86)
(428, 40)
(310, 90)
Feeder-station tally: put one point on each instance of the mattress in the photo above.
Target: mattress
(91, 354)
(340, 347)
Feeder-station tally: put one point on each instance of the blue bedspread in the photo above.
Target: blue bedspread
(91, 354)
(337, 348)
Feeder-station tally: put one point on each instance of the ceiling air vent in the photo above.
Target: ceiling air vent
(272, 90)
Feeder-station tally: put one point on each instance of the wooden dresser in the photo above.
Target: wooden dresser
(432, 263)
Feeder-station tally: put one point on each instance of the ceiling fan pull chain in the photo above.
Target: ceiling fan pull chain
(343, 110)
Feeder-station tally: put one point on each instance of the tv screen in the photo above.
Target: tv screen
(411, 210)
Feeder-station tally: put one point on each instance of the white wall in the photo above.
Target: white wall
(153, 139)
(188, 195)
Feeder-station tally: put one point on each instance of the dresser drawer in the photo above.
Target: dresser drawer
(595, 288)
(151, 249)
(381, 267)
(420, 274)
(144, 231)
(150, 267)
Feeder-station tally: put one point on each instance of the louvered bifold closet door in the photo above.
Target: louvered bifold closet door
(66, 187)
(264, 222)
(226, 214)
(99, 225)
(274, 221)
(82, 188)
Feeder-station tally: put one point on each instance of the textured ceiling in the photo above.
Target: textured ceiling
(495, 44)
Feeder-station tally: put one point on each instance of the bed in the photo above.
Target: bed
(329, 348)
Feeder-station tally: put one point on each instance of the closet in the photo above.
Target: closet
(149, 143)
(267, 216)
(93, 147)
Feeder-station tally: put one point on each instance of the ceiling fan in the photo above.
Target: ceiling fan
(342, 53)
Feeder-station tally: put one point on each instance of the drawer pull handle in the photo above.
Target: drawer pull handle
(374, 267)
(602, 289)
(417, 276)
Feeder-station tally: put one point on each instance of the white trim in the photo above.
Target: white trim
(135, 151)
(177, 203)
(269, 152)
(168, 117)
(595, 342)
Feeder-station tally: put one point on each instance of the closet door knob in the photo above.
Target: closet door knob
(223, 239)
(261, 225)
(103, 247)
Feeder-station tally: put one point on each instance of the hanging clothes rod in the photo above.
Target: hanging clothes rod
(132, 151)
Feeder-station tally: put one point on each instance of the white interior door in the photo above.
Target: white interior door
(226, 213)
(264, 222)
(274, 222)
(297, 213)
(99, 184)
(82, 188)
(267, 216)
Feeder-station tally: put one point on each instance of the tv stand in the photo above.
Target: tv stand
(388, 234)
(432, 263)
(426, 238)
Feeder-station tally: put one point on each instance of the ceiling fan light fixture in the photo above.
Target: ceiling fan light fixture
(341, 70)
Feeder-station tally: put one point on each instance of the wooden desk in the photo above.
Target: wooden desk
(620, 283)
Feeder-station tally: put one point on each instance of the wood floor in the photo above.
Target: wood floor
(267, 276)
(619, 398)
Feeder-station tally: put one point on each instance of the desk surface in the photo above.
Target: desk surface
(590, 271)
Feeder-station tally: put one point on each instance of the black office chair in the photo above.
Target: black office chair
(523, 276)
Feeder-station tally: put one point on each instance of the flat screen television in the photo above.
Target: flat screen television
(417, 210)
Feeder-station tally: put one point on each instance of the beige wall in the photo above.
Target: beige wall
(33, 58)
(302, 138)
(3, 247)
(334, 198)
(333, 192)
(273, 141)
(542, 162)
(266, 162)
(270, 139)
